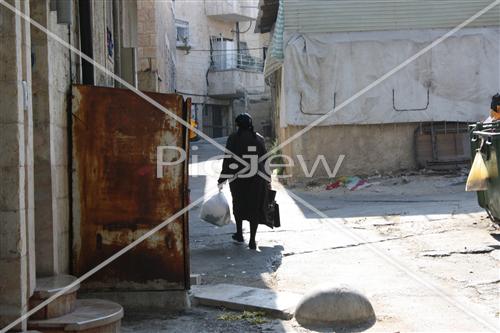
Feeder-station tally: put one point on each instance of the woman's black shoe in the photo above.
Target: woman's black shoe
(238, 238)
(252, 245)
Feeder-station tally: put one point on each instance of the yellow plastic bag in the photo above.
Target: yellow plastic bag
(478, 175)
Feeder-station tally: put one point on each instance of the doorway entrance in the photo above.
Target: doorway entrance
(216, 120)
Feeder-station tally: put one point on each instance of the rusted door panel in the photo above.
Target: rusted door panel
(116, 194)
(187, 196)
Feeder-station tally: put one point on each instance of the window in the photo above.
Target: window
(223, 53)
(182, 34)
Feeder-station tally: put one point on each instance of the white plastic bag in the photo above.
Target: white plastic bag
(216, 210)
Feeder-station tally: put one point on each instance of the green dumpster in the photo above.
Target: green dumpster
(486, 138)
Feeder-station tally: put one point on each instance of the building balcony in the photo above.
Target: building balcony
(233, 83)
(231, 10)
(234, 74)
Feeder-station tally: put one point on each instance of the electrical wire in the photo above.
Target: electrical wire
(205, 95)
(190, 94)
(244, 32)
(248, 48)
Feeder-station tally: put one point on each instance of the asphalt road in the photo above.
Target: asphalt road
(418, 246)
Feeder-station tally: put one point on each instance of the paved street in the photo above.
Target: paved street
(418, 246)
(395, 241)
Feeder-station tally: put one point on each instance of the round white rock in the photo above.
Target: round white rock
(334, 306)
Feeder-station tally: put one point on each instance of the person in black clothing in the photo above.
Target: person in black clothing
(249, 191)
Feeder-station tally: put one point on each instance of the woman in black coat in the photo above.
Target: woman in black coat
(249, 192)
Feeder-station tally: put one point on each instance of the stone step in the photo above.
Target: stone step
(47, 287)
(277, 304)
(195, 279)
(89, 316)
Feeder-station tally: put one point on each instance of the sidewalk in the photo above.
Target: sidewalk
(428, 223)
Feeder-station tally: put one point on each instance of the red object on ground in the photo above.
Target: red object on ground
(333, 186)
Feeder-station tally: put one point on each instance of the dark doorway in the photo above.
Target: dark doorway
(215, 120)
(84, 7)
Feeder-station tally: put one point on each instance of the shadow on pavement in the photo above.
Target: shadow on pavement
(214, 255)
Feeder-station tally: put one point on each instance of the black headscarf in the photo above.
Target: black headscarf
(244, 122)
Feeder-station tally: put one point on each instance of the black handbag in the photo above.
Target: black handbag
(277, 221)
(273, 211)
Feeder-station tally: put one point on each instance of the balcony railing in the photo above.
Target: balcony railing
(243, 60)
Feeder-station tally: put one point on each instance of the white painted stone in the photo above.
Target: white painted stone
(88, 314)
(277, 304)
(48, 286)
(334, 306)
(195, 279)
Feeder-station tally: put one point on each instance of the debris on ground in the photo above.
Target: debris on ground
(255, 318)
(351, 183)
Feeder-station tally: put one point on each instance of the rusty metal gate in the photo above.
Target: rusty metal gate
(117, 196)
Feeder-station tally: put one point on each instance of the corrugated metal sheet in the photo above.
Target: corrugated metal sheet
(369, 15)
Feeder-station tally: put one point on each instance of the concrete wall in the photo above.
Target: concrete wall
(51, 82)
(17, 260)
(235, 82)
(156, 41)
(101, 21)
(368, 149)
(260, 108)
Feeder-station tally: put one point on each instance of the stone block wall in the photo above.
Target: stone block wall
(192, 67)
(156, 46)
(368, 149)
(16, 166)
(51, 82)
(102, 20)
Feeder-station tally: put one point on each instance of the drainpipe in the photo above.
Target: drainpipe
(237, 44)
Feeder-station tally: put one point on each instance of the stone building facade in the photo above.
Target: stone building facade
(156, 46)
(17, 207)
(219, 63)
(132, 39)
